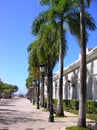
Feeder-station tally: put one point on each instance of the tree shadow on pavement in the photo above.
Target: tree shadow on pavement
(5, 128)
(34, 129)
(9, 117)
(6, 105)
(29, 129)
(2, 110)
(12, 116)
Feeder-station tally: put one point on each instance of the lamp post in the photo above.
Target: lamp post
(42, 70)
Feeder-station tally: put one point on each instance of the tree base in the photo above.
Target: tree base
(60, 114)
(51, 118)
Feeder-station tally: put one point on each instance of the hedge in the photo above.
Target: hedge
(91, 106)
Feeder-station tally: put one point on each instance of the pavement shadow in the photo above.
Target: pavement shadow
(34, 129)
(6, 105)
(2, 110)
(5, 128)
(29, 129)
(7, 102)
(9, 117)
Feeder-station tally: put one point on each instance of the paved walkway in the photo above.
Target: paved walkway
(20, 114)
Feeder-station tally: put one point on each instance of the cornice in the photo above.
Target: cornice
(90, 56)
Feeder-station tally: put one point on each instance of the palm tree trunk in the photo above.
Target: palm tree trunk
(33, 96)
(48, 83)
(60, 98)
(82, 90)
(42, 91)
(48, 93)
(51, 116)
(38, 93)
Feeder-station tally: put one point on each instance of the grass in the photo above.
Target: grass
(91, 116)
(76, 128)
(73, 111)
(55, 116)
(46, 110)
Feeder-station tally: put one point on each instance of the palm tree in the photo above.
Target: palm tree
(82, 92)
(56, 12)
(85, 21)
(34, 72)
(51, 48)
(49, 45)
(60, 12)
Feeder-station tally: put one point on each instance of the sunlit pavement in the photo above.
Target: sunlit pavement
(20, 114)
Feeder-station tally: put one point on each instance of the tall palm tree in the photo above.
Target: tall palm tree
(82, 90)
(86, 21)
(48, 44)
(51, 46)
(34, 72)
(60, 11)
(83, 21)
(55, 13)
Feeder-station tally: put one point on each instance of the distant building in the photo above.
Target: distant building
(71, 78)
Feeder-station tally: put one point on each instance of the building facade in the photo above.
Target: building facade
(71, 78)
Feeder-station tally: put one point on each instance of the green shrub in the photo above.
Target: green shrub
(66, 104)
(74, 104)
(55, 102)
(91, 106)
(71, 104)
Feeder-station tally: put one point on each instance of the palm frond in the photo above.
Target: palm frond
(90, 22)
(40, 21)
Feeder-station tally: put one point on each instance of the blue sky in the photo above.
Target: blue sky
(16, 17)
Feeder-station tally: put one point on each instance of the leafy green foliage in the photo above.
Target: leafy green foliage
(7, 89)
(71, 104)
(91, 106)
(40, 22)
(29, 81)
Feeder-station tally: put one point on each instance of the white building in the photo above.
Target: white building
(71, 78)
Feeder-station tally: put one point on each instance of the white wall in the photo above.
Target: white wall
(72, 74)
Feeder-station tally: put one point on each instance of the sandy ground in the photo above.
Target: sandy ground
(20, 114)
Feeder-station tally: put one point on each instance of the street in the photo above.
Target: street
(20, 114)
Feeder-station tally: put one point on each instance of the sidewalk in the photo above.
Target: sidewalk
(20, 114)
